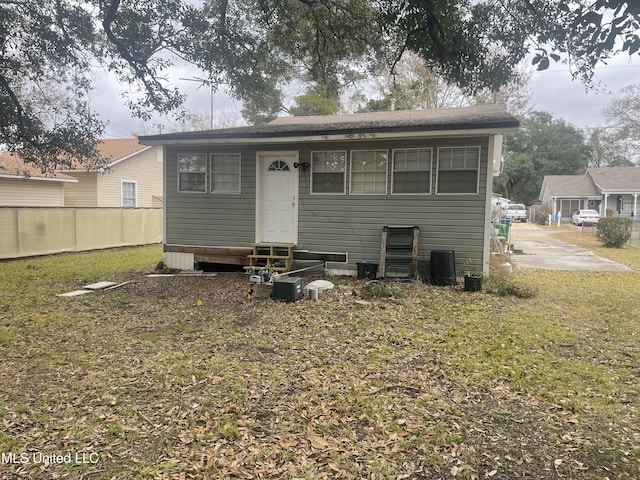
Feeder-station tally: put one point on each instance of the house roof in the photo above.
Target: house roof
(568, 186)
(484, 118)
(616, 179)
(114, 151)
(11, 166)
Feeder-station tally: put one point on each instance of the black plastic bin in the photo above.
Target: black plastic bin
(367, 270)
(443, 267)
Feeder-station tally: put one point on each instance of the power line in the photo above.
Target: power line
(602, 67)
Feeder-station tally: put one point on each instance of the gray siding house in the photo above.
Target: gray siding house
(566, 193)
(329, 184)
(610, 190)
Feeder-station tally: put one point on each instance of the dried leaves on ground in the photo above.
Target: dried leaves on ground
(184, 377)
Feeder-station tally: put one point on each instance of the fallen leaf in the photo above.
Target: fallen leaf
(317, 441)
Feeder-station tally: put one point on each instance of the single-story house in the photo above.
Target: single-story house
(498, 204)
(23, 186)
(132, 177)
(610, 190)
(328, 185)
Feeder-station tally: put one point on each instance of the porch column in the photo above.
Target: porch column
(635, 205)
(604, 208)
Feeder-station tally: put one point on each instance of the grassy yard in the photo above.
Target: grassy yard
(183, 377)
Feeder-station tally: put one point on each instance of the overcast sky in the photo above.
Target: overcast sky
(551, 90)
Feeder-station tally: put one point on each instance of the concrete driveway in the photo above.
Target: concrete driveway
(536, 247)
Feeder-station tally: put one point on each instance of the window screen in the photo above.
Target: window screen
(192, 172)
(225, 173)
(412, 171)
(458, 169)
(328, 172)
(369, 172)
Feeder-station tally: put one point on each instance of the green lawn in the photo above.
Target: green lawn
(183, 377)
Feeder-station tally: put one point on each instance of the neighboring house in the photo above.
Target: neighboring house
(26, 186)
(498, 204)
(606, 189)
(132, 177)
(329, 184)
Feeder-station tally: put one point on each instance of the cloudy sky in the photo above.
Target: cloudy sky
(551, 90)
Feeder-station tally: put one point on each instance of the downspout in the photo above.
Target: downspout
(164, 198)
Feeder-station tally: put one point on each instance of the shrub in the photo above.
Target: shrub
(542, 214)
(508, 288)
(613, 232)
(377, 290)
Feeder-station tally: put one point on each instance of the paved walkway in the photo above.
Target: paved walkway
(536, 247)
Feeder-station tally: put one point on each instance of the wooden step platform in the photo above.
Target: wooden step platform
(275, 256)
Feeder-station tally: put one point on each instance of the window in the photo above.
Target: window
(458, 170)
(411, 171)
(128, 193)
(225, 173)
(192, 172)
(369, 172)
(279, 166)
(328, 172)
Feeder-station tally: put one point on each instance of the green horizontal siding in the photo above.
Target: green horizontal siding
(210, 219)
(334, 223)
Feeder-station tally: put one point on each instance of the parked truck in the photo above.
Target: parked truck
(516, 212)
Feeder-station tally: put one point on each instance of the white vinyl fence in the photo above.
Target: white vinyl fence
(29, 231)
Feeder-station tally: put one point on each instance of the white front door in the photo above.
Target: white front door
(277, 198)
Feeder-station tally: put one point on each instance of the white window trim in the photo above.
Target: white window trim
(210, 171)
(344, 174)
(393, 171)
(386, 173)
(477, 192)
(135, 200)
(206, 174)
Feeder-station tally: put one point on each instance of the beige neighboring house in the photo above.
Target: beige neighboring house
(131, 178)
(24, 186)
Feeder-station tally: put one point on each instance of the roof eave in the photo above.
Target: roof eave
(620, 191)
(347, 135)
(110, 164)
(46, 179)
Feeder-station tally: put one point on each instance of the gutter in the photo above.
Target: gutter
(317, 137)
(46, 179)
